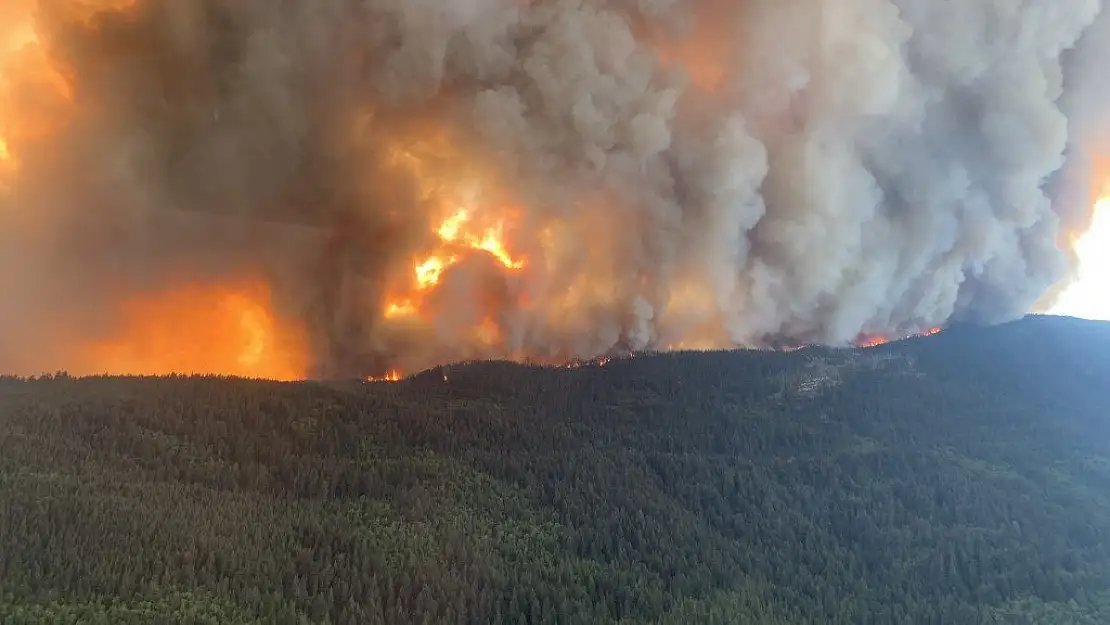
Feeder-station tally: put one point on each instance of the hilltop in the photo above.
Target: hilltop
(956, 478)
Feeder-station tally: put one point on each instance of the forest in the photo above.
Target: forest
(942, 480)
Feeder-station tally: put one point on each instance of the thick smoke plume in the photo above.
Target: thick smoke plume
(409, 182)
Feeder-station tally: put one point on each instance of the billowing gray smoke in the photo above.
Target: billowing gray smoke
(677, 172)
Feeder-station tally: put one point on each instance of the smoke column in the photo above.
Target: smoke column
(412, 182)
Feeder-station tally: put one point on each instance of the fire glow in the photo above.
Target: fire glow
(199, 329)
(392, 375)
(456, 240)
(876, 341)
(863, 343)
(604, 205)
(233, 330)
(1089, 295)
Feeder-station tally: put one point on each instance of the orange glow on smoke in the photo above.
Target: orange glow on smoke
(472, 222)
(7, 165)
(233, 328)
(204, 330)
(456, 242)
(20, 36)
(35, 97)
(702, 59)
(1088, 296)
(228, 329)
(87, 10)
(24, 63)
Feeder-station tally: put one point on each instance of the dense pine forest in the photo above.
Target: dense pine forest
(958, 478)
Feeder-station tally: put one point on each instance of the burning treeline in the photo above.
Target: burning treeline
(304, 188)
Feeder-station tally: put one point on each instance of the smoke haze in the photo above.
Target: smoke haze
(402, 183)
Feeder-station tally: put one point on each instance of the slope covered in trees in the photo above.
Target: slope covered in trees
(960, 478)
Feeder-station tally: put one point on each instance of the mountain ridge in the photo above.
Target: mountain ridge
(955, 478)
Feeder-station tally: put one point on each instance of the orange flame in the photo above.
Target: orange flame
(453, 230)
(233, 328)
(392, 376)
(189, 328)
(873, 341)
(877, 340)
(471, 224)
(203, 330)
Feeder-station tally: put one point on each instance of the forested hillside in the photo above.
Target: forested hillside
(959, 478)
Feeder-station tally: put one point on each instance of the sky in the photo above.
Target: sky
(1089, 296)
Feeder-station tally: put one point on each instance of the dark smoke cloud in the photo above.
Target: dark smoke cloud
(686, 172)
